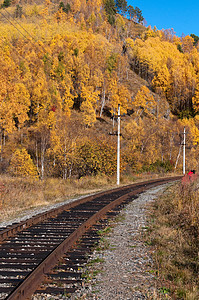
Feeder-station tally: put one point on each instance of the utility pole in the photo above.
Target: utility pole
(118, 116)
(184, 143)
(118, 146)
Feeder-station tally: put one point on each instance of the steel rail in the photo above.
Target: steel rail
(13, 229)
(32, 281)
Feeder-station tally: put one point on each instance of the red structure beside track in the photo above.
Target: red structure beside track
(189, 178)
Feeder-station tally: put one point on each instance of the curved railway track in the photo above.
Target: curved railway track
(39, 255)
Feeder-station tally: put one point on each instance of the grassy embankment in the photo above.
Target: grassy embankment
(174, 236)
(20, 194)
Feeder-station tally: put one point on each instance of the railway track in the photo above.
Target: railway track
(44, 254)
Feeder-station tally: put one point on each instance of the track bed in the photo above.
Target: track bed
(43, 255)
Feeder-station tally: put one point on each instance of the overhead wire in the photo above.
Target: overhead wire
(21, 27)
(12, 24)
(14, 48)
(33, 43)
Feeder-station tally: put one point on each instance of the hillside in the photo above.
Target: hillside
(65, 67)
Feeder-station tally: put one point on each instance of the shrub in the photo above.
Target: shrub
(18, 11)
(66, 8)
(159, 166)
(22, 165)
(6, 3)
(174, 234)
(97, 157)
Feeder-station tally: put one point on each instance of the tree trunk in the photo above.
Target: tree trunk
(1, 137)
(102, 102)
(178, 157)
(37, 159)
(43, 150)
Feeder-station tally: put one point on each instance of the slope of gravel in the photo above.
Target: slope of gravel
(126, 267)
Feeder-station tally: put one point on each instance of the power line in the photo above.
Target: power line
(14, 48)
(13, 25)
(20, 30)
(20, 25)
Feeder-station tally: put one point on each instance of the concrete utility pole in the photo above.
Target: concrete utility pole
(118, 116)
(118, 146)
(184, 143)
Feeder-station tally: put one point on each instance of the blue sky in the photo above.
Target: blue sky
(182, 16)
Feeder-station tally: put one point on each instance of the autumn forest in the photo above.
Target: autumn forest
(64, 68)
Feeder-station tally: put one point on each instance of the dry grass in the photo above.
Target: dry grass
(174, 236)
(20, 194)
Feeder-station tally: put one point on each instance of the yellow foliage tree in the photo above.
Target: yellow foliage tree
(21, 103)
(118, 94)
(62, 146)
(187, 43)
(141, 149)
(89, 115)
(40, 97)
(195, 99)
(161, 81)
(22, 165)
(144, 102)
(88, 94)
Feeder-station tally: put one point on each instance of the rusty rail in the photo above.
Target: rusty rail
(12, 230)
(32, 281)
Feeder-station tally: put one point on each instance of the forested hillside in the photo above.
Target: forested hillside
(65, 67)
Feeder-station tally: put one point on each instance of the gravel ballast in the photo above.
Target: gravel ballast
(126, 267)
